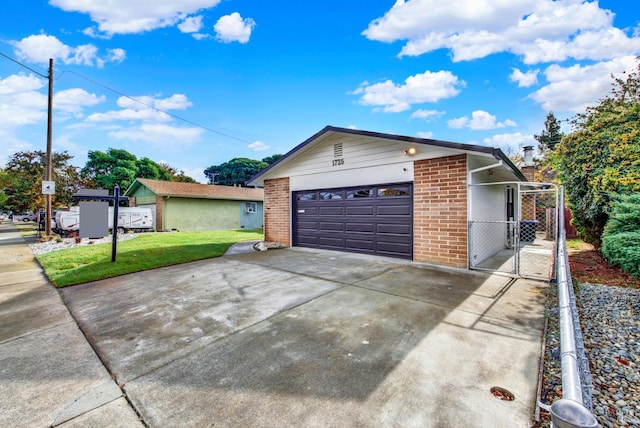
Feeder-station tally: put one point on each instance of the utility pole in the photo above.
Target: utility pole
(47, 219)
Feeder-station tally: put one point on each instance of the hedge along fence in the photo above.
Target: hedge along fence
(621, 236)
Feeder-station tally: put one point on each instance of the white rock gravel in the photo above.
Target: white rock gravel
(64, 243)
(610, 323)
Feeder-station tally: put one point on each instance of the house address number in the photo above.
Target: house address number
(337, 162)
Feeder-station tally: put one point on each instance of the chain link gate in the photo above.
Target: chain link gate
(523, 242)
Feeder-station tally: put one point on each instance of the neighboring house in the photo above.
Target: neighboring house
(192, 206)
(382, 194)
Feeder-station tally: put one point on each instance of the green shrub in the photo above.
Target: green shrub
(623, 250)
(621, 236)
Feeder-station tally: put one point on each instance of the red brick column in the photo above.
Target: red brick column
(440, 211)
(277, 210)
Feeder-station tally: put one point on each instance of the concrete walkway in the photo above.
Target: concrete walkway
(291, 337)
(49, 374)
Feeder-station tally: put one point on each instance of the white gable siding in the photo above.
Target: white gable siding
(364, 160)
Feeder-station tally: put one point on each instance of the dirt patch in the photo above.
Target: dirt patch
(588, 265)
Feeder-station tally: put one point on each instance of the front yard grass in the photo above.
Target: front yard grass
(149, 251)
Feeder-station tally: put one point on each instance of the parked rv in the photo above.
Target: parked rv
(129, 218)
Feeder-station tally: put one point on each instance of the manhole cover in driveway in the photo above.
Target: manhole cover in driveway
(502, 394)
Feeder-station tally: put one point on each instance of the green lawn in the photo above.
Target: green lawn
(148, 251)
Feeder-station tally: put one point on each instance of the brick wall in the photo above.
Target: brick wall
(277, 210)
(529, 172)
(440, 211)
(528, 203)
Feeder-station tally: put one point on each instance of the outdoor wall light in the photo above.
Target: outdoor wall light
(410, 151)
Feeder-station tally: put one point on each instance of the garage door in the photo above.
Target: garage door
(369, 219)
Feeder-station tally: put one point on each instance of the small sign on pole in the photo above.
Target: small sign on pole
(48, 187)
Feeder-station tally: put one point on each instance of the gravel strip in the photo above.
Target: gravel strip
(610, 319)
(62, 244)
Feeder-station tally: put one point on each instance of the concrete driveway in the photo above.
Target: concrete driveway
(299, 337)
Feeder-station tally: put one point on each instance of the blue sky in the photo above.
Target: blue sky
(195, 83)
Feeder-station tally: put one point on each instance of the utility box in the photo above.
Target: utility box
(94, 219)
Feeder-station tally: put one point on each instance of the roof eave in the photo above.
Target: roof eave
(496, 153)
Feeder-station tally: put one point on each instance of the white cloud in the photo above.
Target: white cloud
(480, 120)
(20, 83)
(526, 79)
(174, 102)
(427, 115)
(232, 28)
(143, 108)
(145, 115)
(575, 88)
(191, 24)
(20, 102)
(425, 134)
(537, 30)
(417, 89)
(74, 100)
(511, 144)
(258, 146)
(159, 135)
(132, 17)
(40, 48)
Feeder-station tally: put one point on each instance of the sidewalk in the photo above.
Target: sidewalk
(49, 374)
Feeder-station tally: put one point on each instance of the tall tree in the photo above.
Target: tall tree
(271, 159)
(4, 181)
(234, 172)
(601, 157)
(550, 136)
(115, 167)
(25, 172)
(167, 170)
(120, 167)
(548, 141)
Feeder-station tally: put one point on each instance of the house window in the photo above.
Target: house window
(330, 195)
(360, 193)
(250, 207)
(309, 196)
(393, 191)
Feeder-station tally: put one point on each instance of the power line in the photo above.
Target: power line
(22, 65)
(155, 108)
(128, 97)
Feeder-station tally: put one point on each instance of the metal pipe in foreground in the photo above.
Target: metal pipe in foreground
(568, 412)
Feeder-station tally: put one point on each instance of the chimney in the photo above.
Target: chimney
(529, 168)
(528, 155)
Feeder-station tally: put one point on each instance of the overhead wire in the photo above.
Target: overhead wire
(122, 94)
(155, 108)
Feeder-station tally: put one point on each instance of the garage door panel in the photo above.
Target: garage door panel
(395, 210)
(393, 229)
(359, 227)
(308, 225)
(307, 211)
(378, 221)
(328, 211)
(308, 240)
(359, 210)
(359, 245)
(331, 227)
(330, 243)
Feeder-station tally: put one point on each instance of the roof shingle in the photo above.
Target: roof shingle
(203, 191)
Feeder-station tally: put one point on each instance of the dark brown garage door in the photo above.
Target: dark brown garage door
(367, 219)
